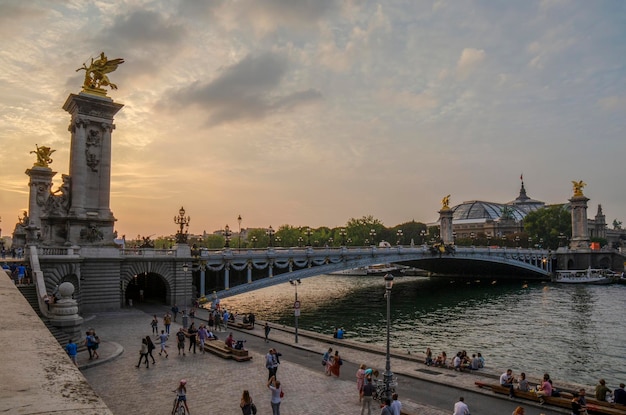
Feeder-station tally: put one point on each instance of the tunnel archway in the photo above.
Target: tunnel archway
(147, 287)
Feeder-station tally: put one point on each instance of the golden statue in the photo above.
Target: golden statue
(445, 203)
(95, 74)
(43, 155)
(578, 187)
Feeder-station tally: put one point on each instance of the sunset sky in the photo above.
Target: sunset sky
(312, 112)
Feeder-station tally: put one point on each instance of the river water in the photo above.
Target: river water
(574, 333)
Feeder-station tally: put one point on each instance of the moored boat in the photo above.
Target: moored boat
(586, 276)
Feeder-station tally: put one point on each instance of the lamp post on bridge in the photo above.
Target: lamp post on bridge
(185, 269)
(253, 240)
(183, 222)
(399, 235)
(296, 305)
(278, 240)
(373, 236)
(388, 375)
(308, 236)
(342, 233)
(270, 233)
(227, 234)
(300, 241)
(239, 234)
(423, 235)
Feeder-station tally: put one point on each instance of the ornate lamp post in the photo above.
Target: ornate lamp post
(270, 233)
(227, 234)
(388, 375)
(253, 240)
(349, 241)
(308, 236)
(517, 241)
(342, 233)
(185, 269)
(239, 234)
(373, 236)
(300, 241)
(183, 222)
(278, 240)
(399, 234)
(296, 304)
(330, 241)
(423, 235)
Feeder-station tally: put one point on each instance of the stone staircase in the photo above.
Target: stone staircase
(30, 293)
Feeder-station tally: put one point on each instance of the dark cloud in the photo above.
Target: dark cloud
(249, 89)
(142, 29)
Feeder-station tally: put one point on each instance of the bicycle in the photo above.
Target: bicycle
(380, 392)
(181, 407)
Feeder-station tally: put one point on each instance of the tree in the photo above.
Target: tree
(359, 229)
(548, 223)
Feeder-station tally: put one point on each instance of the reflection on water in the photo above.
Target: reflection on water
(571, 332)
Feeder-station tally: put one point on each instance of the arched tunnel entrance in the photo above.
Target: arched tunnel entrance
(153, 287)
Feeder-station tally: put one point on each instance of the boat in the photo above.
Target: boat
(586, 276)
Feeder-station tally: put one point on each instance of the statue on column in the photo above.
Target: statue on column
(445, 203)
(95, 73)
(43, 156)
(578, 187)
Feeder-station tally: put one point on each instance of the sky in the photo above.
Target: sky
(313, 112)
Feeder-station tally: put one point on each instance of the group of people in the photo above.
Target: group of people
(332, 362)
(19, 273)
(460, 362)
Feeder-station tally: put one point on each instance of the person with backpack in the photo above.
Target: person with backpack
(247, 406)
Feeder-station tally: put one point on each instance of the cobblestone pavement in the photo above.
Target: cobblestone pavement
(215, 384)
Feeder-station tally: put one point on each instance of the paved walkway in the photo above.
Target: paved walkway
(126, 389)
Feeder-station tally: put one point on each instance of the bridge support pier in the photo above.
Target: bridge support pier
(249, 273)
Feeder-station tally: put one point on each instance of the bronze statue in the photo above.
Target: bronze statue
(445, 203)
(578, 187)
(43, 155)
(95, 73)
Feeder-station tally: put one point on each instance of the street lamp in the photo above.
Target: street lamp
(253, 240)
(373, 236)
(239, 234)
(270, 233)
(182, 221)
(296, 304)
(388, 375)
(349, 241)
(342, 233)
(308, 236)
(185, 269)
(278, 240)
(330, 241)
(423, 235)
(227, 234)
(300, 241)
(399, 235)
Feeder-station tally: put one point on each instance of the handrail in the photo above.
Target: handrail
(40, 284)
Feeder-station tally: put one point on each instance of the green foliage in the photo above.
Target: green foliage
(549, 223)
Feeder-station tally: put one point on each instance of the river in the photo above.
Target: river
(574, 333)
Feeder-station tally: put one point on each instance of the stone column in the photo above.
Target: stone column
(580, 227)
(90, 218)
(40, 184)
(445, 231)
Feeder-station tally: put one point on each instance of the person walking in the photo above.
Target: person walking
(151, 347)
(192, 333)
(335, 367)
(155, 325)
(461, 408)
(327, 361)
(72, 351)
(246, 404)
(277, 393)
(163, 338)
(267, 329)
(143, 353)
(203, 334)
(90, 341)
(396, 405)
(167, 321)
(366, 400)
(174, 312)
(270, 364)
(180, 337)
(360, 379)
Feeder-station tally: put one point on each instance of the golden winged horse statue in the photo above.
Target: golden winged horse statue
(96, 73)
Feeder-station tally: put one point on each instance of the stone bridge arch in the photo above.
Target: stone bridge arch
(154, 278)
(64, 272)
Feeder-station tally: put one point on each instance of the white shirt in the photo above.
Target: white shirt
(396, 406)
(461, 408)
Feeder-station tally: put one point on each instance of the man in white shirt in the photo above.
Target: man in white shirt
(461, 408)
(396, 405)
(506, 380)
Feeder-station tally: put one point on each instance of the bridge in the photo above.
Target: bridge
(112, 277)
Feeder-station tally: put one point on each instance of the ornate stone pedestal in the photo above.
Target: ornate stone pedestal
(445, 219)
(65, 313)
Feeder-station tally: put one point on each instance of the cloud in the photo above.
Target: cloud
(469, 60)
(250, 89)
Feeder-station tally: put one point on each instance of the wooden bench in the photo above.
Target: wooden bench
(240, 325)
(564, 401)
(218, 348)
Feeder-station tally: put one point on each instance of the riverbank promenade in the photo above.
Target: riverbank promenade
(215, 384)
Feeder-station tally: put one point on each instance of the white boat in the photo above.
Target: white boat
(585, 276)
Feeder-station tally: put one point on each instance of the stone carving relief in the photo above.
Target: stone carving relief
(92, 143)
(91, 233)
(59, 201)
